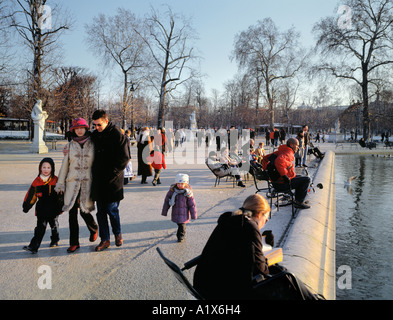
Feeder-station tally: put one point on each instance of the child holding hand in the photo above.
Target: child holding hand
(48, 206)
(181, 199)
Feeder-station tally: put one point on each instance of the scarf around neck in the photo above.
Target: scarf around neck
(187, 193)
(81, 140)
(45, 179)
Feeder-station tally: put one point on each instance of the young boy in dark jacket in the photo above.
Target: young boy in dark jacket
(48, 206)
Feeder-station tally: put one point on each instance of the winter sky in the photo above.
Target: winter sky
(216, 22)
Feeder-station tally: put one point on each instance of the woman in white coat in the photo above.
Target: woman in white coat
(74, 180)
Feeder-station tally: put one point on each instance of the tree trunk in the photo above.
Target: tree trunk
(161, 107)
(271, 107)
(124, 103)
(366, 115)
(37, 80)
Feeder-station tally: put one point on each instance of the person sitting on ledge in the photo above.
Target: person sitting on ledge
(365, 144)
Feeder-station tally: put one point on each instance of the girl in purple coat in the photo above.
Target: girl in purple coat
(181, 199)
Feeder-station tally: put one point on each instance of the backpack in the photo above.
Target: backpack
(268, 165)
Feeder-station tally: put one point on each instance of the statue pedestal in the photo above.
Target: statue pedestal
(336, 137)
(38, 145)
(40, 148)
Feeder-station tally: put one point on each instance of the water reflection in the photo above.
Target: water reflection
(364, 224)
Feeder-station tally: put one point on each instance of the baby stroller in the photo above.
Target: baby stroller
(128, 173)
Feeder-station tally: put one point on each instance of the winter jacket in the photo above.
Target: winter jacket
(144, 148)
(111, 155)
(230, 259)
(183, 209)
(300, 152)
(284, 162)
(157, 160)
(75, 175)
(43, 193)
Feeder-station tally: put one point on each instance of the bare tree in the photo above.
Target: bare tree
(4, 45)
(169, 46)
(356, 45)
(287, 97)
(40, 27)
(73, 96)
(275, 55)
(117, 41)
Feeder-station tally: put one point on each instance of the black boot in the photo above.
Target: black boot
(54, 238)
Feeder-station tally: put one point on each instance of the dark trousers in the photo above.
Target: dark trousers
(105, 210)
(181, 231)
(283, 286)
(299, 183)
(74, 226)
(39, 231)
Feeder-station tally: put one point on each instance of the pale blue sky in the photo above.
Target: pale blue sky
(216, 21)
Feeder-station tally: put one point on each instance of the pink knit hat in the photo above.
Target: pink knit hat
(79, 123)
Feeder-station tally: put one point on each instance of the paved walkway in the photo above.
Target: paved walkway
(133, 271)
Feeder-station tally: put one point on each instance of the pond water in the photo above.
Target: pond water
(364, 227)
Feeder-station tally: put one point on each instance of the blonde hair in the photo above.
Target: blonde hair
(253, 205)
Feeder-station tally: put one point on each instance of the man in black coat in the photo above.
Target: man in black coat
(111, 155)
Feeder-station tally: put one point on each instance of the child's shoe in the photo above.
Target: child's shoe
(93, 236)
(54, 244)
(241, 184)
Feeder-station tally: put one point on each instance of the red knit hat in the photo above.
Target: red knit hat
(79, 123)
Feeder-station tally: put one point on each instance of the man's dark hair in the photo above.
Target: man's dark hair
(98, 114)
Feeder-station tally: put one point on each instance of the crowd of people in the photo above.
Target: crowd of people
(92, 177)
(97, 164)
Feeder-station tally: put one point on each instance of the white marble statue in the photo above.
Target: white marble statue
(337, 126)
(39, 117)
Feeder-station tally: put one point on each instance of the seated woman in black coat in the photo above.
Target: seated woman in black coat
(233, 254)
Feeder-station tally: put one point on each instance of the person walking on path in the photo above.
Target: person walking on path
(48, 207)
(111, 155)
(157, 161)
(181, 199)
(74, 181)
(144, 147)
